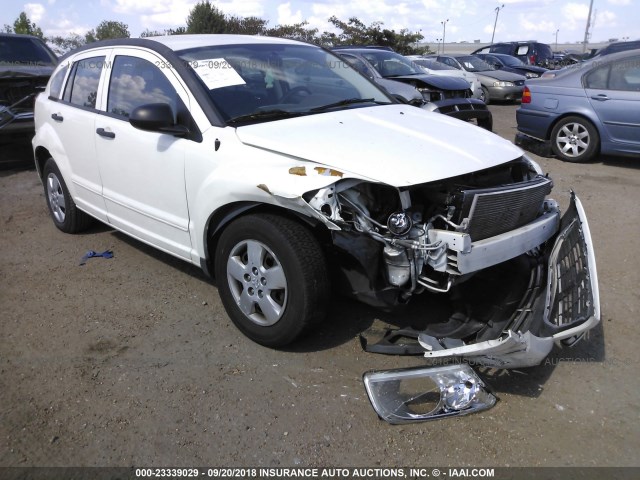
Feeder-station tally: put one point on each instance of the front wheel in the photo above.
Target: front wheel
(272, 278)
(575, 139)
(484, 95)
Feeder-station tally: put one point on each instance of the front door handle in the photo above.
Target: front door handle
(103, 133)
(56, 117)
(601, 98)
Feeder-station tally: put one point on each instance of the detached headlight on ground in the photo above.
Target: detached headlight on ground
(427, 393)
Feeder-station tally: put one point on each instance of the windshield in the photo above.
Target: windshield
(474, 64)
(263, 82)
(24, 51)
(390, 64)
(433, 65)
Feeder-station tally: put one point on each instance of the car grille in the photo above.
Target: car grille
(462, 107)
(490, 212)
(569, 298)
(519, 83)
(434, 96)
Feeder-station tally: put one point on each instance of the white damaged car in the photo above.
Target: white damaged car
(283, 172)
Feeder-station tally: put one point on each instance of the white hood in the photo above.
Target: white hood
(396, 144)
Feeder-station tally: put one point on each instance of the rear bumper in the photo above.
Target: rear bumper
(535, 145)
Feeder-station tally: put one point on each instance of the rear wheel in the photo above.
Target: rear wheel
(63, 210)
(575, 139)
(272, 278)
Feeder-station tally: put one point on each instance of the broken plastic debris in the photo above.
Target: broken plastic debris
(92, 254)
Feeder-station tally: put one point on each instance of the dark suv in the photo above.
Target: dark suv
(26, 64)
(530, 52)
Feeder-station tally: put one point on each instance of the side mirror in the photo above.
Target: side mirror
(156, 117)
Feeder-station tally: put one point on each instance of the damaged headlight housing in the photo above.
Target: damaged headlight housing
(427, 393)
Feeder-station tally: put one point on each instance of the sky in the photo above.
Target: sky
(468, 20)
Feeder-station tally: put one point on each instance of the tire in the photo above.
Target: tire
(63, 210)
(575, 139)
(272, 278)
(484, 96)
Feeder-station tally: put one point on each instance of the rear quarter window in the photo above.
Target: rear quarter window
(57, 81)
(82, 86)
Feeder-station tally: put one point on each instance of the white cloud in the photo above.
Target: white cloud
(242, 8)
(154, 6)
(35, 11)
(286, 16)
(65, 27)
(574, 16)
(620, 2)
(538, 25)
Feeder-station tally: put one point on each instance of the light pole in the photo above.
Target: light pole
(438, 40)
(496, 22)
(444, 31)
(557, 39)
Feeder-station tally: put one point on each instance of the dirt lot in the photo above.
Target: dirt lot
(132, 360)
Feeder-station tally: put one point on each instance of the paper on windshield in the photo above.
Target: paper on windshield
(216, 73)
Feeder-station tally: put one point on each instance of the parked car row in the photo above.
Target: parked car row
(406, 80)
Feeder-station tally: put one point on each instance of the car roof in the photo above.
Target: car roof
(177, 43)
(185, 42)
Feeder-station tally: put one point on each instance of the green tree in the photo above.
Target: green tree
(205, 18)
(355, 32)
(297, 31)
(167, 31)
(65, 44)
(24, 26)
(106, 30)
(245, 25)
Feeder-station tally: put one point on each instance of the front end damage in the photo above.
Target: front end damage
(463, 239)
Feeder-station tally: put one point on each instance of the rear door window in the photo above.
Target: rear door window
(625, 75)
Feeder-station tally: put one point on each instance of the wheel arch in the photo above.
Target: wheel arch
(41, 157)
(581, 114)
(225, 215)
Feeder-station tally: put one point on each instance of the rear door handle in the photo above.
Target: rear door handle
(56, 117)
(602, 97)
(103, 133)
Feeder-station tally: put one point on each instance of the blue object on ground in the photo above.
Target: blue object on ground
(92, 254)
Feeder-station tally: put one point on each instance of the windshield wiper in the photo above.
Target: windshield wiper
(341, 103)
(264, 115)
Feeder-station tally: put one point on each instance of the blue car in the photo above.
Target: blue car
(586, 109)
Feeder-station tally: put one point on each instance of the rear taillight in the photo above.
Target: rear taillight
(532, 60)
(526, 95)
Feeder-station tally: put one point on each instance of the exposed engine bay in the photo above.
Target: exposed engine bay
(489, 233)
(518, 277)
